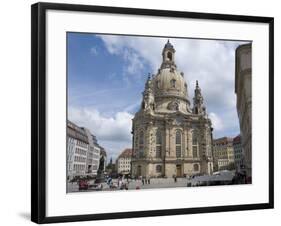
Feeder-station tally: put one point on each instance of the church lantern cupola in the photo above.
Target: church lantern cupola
(168, 56)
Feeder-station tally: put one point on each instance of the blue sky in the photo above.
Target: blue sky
(107, 73)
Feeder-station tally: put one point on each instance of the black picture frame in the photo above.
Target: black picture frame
(38, 111)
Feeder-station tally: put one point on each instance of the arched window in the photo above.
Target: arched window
(141, 144)
(195, 167)
(178, 143)
(195, 144)
(170, 56)
(158, 168)
(158, 144)
(158, 84)
(173, 83)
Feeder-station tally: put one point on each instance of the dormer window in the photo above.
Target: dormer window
(173, 83)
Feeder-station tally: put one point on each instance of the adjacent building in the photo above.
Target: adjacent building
(171, 137)
(77, 150)
(93, 156)
(243, 90)
(238, 154)
(123, 161)
(223, 153)
(83, 152)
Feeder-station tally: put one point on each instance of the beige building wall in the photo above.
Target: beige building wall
(123, 162)
(243, 90)
(223, 153)
(171, 164)
(123, 165)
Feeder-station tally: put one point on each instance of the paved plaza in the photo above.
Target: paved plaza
(157, 182)
(136, 184)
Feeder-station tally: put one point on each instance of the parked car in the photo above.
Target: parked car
(83, 185)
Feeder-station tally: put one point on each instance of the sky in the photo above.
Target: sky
(107, 73)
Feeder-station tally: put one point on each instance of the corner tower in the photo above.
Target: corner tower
(198, 107)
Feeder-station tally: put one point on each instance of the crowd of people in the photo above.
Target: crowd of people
(123, 182)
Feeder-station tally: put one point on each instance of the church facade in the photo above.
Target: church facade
(171, 137)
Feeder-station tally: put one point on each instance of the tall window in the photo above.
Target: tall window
(158, 144)
(173, 83)
(195, 144)
(195, 167)
(158, 168)
(158, 84)
(141, 144)
(178, 143)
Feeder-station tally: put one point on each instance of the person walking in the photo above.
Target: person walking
(175, 179)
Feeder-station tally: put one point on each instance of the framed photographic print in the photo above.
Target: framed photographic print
(139, 112)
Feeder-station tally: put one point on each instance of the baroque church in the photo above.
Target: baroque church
(171, 137)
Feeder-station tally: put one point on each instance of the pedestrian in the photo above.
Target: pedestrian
(148, 180)
(120, 182)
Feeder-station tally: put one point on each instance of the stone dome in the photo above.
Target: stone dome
(170, 82)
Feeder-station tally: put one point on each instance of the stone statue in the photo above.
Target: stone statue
(100, 173)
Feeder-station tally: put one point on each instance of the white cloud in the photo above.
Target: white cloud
(135, 51)
(116, 128)
(216, 121)
(135, 63)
